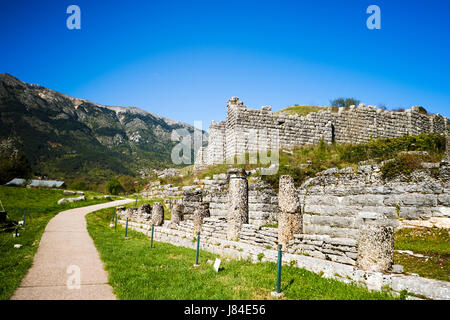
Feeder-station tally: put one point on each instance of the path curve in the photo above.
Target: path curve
(65, 248)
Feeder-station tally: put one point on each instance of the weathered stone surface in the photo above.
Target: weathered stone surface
(199, 214)
(144, 212)
(375, 248)
(65, 200)
(237, 214)
(157, 214)
(288, 200)
(233, 137)
(290, 220)
(177, 214)
(288, 225)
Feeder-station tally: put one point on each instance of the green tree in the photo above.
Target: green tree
(14, 166)
(129, 183)
(114, 187)
(344, 102)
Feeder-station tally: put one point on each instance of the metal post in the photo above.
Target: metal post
(114, 214)
(135, 203)
(126, 228)
(279, 269)
(24, 217)
(151, 241)
(198, 248)
(115, 224)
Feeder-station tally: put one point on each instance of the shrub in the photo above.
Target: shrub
(14, 166)
(403, 165)
(344, 102)
(80, 185)
(114, 187)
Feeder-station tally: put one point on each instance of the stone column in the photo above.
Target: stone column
(200, 212)
(290, 220)
(447, 149)
(157, 214)
(177, 214)
(375, 248)
(144, 212)
(237, 202)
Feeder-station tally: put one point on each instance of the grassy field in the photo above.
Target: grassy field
(166, 272)
(433, 243)
(40, 205)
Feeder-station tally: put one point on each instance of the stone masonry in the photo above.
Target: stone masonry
(375, 248)
(344, 125)
(157, 214)
(237, 202)
(290, 218)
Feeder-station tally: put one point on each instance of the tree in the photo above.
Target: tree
(344, 102)
(14, 166)
(114, 187)
(128, 183)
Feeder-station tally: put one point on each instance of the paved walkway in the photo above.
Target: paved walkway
(66, 247)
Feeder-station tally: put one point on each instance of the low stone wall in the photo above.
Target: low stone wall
(262, 204)
(336, 202)
(262, 199)
(157, 190)
(342, 250)
(416, 286)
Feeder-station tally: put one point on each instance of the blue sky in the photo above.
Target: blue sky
(185, 59)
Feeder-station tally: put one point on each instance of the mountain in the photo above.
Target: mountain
(62, 137)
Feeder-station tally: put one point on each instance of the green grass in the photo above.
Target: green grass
(431, 242)
(423, 240)
(302, 110)
(323, 156)
(40, 205)
(167, 272)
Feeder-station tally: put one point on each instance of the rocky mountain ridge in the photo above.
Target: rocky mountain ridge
(69, 138)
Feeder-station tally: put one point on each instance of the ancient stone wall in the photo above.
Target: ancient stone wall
(262, 199)
(337, 201)
(248, 130)
(334, 205)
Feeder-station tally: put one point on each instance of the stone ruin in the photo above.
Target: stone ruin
(233, 136)
(340, 223)
(143, 214)
(370, 247)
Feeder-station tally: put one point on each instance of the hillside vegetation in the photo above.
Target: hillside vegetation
(306, 161)
(302, 110)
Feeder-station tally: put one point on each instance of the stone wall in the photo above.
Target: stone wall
(262, 200)
(157, 190)
(337, 202)
(334, 205)
(237, 134)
